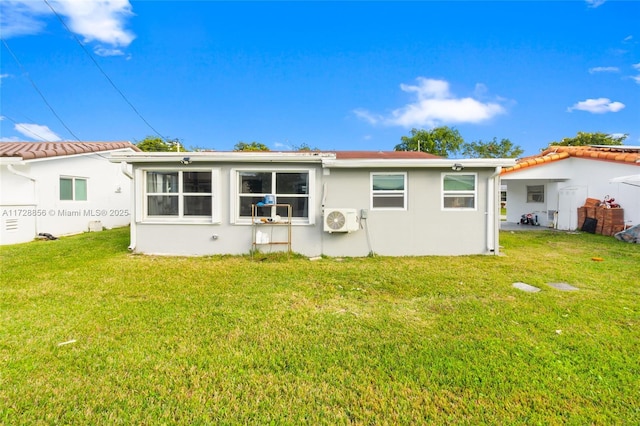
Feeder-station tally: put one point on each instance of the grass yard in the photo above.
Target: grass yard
(91, 334)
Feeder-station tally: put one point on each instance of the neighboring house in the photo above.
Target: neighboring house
(553, 184)
(61, 188)
(342, 203)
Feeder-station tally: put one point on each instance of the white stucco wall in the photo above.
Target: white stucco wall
(36, 206)
(583, 178)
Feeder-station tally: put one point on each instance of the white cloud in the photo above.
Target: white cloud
(37, 131)
(21, 17)
(603, 69)
(636, 78)
(595, 3)
(434, 105)
(99, 20)
(597, 106)
(636, 66)
(10, 139)
(101, 51)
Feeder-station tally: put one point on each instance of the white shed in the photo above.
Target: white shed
(61, 188)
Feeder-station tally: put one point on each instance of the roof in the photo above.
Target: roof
(33, 150)
(387, 155)
(617, 154)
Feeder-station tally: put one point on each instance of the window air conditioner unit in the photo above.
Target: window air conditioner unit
(340, 220)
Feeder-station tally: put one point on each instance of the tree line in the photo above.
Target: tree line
(442, 141)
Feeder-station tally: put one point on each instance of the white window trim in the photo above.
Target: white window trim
(142, 201)
(544, 190)
(474, 192)
(234, 195)
(73, 188)
(404, 192)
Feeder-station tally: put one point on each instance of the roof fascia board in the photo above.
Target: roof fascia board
(227, 157)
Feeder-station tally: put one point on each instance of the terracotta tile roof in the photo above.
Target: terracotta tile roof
(32, 150)
(386, 155)
(619, 154)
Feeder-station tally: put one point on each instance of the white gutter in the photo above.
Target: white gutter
(223, 157)
(19, 173)
(125, 170)
(493, 188)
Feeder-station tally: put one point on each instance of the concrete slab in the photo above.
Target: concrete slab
(526, 287)
(563, 286)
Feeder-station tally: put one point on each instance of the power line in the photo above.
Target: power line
(101, 70)
(24, 71)
(26, 129)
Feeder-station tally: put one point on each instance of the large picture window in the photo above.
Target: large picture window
(73, 189)
(459, 191)
(289, 187)
(179, 194)
(388, 191)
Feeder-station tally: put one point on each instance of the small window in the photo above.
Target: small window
(535, 194)
(459, 191)
(388, 191)
(73, 189)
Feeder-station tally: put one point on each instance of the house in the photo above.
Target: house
(553, 184)
(61, 188)
(327, 203)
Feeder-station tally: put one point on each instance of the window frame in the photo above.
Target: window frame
(531, 193)
(235, 194)
(181, 217)
(74, 180)
(388, 193)
(459, 193)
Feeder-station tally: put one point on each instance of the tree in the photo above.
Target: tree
(585, 138)
(253, 146)
(157, 144)
(304, 147)
(443, 141)
(491, 149)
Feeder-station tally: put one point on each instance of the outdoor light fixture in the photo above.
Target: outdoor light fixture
(186, 160)
(457, 167)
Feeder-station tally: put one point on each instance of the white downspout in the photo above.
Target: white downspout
(132, 225)
(492, 229)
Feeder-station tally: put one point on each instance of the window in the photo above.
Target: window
(289, 187)
(535, 194)
(459, 191)
(388, 191)
(73, 189)
(179, 194)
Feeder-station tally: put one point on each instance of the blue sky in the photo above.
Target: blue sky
(331, 75)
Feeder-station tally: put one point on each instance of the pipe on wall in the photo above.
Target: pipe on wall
(492, 233)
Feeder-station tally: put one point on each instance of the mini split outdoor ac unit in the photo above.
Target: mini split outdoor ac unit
(340, 220)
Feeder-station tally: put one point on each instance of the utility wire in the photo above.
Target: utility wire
(24, 71)
(26, 129)
(101, 70)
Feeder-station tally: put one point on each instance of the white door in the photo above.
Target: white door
(569, 199)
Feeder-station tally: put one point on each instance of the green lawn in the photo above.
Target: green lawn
(91, 334)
